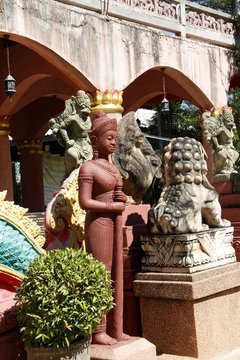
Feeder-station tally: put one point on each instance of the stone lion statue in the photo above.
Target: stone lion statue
(135, 159)
(188, 202)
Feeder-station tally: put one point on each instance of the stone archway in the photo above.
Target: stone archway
(42, 86)
(149, 85)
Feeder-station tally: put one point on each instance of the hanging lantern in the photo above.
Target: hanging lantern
(165, 106)
(9, 81)
(165, 102)
(10, 86)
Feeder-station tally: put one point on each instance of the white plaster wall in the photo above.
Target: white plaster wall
(110, 52)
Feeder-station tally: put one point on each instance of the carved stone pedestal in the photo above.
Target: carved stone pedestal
(188, 253)
(134, 225)
(192, 316)
(134, 348)
(229, 198)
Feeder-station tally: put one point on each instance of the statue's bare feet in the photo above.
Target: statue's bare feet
(103, 339)
(226, 223)
(125, 337)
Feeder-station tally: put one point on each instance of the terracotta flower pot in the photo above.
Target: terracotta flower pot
(76, 351)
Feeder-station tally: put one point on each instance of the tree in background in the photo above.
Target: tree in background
(227, 6)
(231, 7)
(182, 120)
(234, 102)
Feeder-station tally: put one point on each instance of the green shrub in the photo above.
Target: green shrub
(64, 295)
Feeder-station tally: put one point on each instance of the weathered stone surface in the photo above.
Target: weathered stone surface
(188, 252)
(75, 38)
(135, 159)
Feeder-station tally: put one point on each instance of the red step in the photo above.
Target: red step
(230, 201)
(232, 214)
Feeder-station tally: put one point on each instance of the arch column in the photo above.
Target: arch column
(6, 182)
(30, 152)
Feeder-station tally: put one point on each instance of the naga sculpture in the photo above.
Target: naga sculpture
(71, 129)
(64, 219)
(218, 133)
(135, 159)
(187, 197)
(20, 241)
(100, 194)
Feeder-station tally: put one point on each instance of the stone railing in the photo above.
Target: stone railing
(185, 12)
(168, 9)
(179, 17)
(207, 19)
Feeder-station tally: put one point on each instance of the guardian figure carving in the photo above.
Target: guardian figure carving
(71, 129)
(218, 133)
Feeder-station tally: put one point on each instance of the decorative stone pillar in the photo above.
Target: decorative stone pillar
(5, 157)
(30, 152)
(110, 103)
(182, 313)
(208, 150)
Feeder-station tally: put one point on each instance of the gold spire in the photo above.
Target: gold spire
(107, 102)
(30, 146)
(4, 125)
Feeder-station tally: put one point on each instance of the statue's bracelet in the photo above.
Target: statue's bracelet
(109, 206)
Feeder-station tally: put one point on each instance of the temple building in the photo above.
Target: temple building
(113, 50)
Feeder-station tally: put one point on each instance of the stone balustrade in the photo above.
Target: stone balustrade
(177, 17)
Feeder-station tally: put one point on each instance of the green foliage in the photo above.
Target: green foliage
(64, 295)
(236, 51)
(183, 119)
(227, 6)
(234, 102)
(236, 144)
(234, 99)
(152, 195)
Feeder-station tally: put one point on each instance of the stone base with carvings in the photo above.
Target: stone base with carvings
(188, 253)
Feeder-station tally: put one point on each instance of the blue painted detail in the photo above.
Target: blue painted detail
(16, 250)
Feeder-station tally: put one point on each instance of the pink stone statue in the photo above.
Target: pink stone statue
(100, 194)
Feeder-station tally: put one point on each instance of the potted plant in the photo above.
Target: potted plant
(63, 296)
